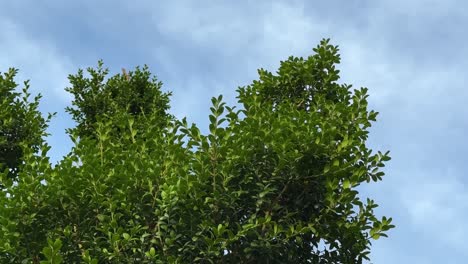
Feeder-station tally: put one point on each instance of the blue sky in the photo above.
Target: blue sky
(410, 54)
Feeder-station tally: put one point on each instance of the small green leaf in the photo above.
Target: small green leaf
(336, 163)
(57, 244)
(213, 119)
(101, 217)
(346, 184)
(47, 251)
(57, 259)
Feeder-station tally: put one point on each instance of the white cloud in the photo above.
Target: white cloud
(437, 206)
(424, 8)
(37, 61)
(265, 32)
(249, 36)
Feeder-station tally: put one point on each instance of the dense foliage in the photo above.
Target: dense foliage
(272, 182)
(134, 93)
(21, 123)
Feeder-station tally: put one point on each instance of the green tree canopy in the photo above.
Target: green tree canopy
(272, 182)
(21, 123)
(133, 93)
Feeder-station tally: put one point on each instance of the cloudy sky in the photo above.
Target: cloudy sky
(410, 54)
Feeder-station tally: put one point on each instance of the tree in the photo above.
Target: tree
(132, 93)
(21, 123)
(273, 182)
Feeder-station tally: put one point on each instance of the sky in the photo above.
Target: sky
(410, 54)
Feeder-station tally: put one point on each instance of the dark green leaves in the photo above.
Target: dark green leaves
(21, 124)
(134, 93)
(52, 252)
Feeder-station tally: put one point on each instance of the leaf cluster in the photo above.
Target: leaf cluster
(21, 123)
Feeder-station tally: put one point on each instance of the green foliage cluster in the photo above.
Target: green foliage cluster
(95, 101)
(272, 182)
(21, 123)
